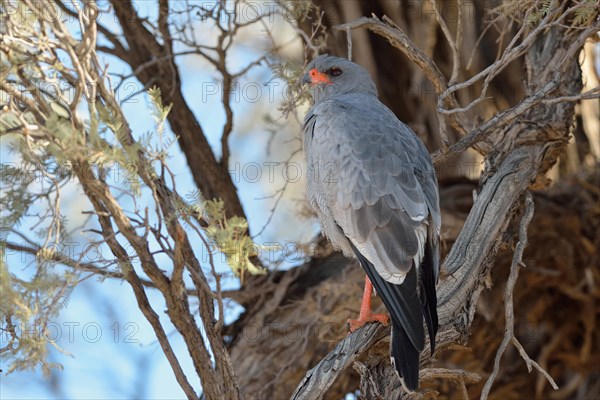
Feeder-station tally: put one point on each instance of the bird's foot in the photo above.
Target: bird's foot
(363, 319)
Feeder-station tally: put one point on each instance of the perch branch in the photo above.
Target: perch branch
(321, 377)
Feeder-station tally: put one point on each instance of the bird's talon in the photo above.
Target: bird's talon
(354, 324)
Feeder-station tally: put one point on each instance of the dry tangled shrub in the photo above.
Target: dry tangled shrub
(556, 303)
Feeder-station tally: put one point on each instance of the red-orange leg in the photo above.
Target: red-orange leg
(365, 316)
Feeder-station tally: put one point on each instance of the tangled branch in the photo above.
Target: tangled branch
(509, 316)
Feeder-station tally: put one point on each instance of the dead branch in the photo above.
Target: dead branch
(319, 379)
(509, 316)
(397, 38)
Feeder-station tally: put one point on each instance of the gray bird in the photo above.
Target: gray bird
(372, 184)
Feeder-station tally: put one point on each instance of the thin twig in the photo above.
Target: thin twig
(451, 42)
(349, 39)
(509, 316)
(398, 38)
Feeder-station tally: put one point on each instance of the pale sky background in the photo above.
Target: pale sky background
(113, 353)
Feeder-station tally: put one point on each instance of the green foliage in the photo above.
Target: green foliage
(16, 198)
(230, 235)
(291, 72)
(582, 13)
(160, 112)
(26, 308)
(297, 10)
(539, 11)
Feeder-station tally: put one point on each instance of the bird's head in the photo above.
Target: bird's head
(330, 76)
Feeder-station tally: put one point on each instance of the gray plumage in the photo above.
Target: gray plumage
(373, 187)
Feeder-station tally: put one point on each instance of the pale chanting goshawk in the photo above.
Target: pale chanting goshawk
(372, 184)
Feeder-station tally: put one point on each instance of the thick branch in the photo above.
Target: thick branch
(319, 379)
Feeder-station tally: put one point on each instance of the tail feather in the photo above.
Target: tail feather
(427, 281)
(405, 358)
(405, 308)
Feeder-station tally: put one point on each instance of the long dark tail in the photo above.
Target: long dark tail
(406, 312)
(427, 281)
(405, 357)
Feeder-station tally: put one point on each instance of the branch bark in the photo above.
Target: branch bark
(319, 379)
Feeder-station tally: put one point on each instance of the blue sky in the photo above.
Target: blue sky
(112, 351)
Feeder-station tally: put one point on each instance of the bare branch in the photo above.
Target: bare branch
(451, 42)
(397, 38)
(211, 177)
(118, 49)
(321, 377)
(511, 53)
(509, 316)
(497, 121)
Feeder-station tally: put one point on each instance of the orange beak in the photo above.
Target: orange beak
(317, 77)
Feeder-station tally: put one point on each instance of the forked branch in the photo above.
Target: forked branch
(509, 314)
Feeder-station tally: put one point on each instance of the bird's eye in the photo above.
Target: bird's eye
(334, 71)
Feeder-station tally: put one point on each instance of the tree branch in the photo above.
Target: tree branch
(321, 377)
(210, 176)
(509, 315)
(397, 38)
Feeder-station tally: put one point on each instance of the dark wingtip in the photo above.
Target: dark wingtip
(427, 293)
(405, 358)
